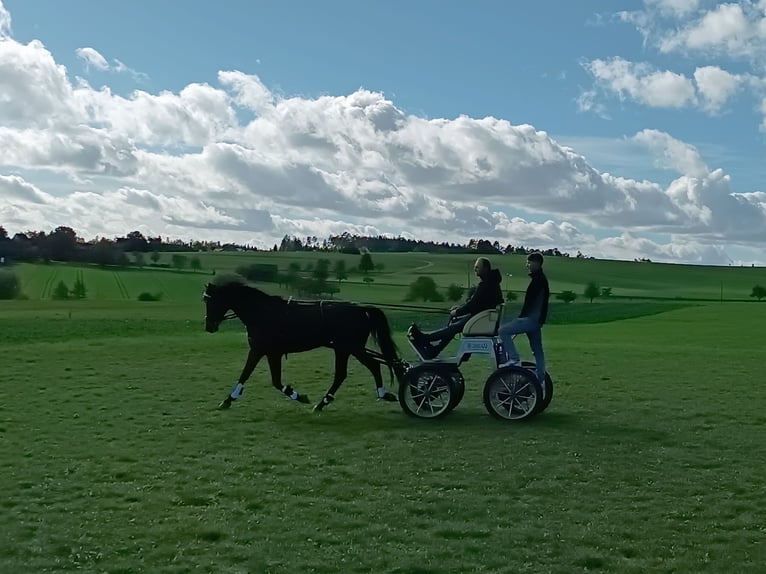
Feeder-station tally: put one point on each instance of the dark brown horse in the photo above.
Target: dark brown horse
(276, 327)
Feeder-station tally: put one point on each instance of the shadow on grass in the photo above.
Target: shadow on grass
(473, 421)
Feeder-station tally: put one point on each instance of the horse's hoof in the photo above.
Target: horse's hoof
(225, 404)
(390, 397)
(318, 407)
(303, 399)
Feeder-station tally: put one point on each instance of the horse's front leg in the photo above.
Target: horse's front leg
(253, 357)
(275, 364)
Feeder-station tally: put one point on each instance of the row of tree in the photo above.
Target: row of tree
(64, 244)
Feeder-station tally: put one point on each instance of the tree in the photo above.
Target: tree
(155, 256)
(79, 291)
(423, 288)
(511, 296)
(567, 296)
(591, 291)
(759, 292)
(61, 291)
(62, 243)
(606, 291)
(10, 286)
(454, 292)
(365, 263)
(195, 263)
(179, 261)
(321, 270)
(138, 259)
(339, 270)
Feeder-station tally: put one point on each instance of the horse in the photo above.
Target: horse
(276, 327)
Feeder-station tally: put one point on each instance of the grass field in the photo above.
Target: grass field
(116, 460)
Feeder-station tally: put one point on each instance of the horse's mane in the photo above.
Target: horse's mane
(239, 282)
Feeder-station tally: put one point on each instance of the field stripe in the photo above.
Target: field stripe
(121, 285)
(48, 285)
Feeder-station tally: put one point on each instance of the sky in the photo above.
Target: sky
(621, 128)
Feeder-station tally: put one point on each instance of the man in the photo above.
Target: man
(487, 296)
(531, 318)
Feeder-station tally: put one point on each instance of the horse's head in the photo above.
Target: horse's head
(217, 304)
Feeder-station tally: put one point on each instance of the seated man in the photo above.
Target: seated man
(487, 296)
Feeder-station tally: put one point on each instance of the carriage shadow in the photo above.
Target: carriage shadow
(474, 421)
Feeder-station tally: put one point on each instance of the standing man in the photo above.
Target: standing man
(531, 318)
(488, 295)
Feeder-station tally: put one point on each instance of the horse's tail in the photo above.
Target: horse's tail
(381, 333)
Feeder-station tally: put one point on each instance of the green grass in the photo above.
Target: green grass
(629, 280)
(115, 459)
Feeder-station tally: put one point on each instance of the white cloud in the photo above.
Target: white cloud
(186, 164)
(716, 86)
(735, 29)
(5, 22)
(13, 187)
(91, 57)
(642, 83)
(672, 153)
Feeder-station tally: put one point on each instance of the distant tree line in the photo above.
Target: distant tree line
(63, 244)
(356, 244)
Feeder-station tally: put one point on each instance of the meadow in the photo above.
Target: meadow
(116, 460)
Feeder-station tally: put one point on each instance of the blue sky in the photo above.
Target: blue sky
(587, 73)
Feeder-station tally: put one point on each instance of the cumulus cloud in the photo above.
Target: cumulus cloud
(13, 187)
(232, 160)
(734, 29)
(641, 82)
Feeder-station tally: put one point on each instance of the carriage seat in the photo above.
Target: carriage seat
(484, 323)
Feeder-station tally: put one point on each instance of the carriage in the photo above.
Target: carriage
(432, 388)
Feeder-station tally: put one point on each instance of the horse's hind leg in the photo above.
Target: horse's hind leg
(341, 372)
(374, 367)
(253, 357)
(275, 365)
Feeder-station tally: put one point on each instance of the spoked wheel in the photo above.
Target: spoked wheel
(428, 392)
(547, 386)
(512, 394)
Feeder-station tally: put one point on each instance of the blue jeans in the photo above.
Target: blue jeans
(534, 333)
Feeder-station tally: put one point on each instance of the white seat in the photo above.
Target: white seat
(484, 323)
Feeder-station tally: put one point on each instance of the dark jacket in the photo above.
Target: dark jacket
(487, 295)
(536, 297)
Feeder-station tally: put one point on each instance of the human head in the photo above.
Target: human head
(535, 261)
(482, 266)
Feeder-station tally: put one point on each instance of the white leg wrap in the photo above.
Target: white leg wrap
(237, 391)
(382, 392)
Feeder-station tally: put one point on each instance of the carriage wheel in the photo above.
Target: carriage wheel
(459, 382)
(427, 392)
(547, 386)
(512, 394)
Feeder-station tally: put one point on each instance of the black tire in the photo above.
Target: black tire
(428, 392)
(547, 387)
(512, 394)
(459, 382)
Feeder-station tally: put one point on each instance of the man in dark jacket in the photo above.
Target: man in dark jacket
(487, 296)
(531, 318)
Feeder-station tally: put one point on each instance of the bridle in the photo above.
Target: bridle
(226, 316)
